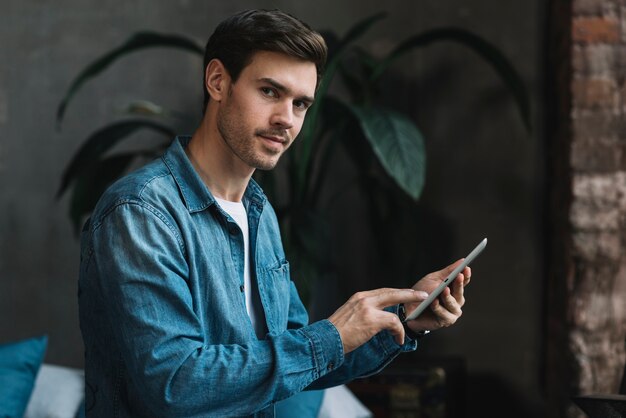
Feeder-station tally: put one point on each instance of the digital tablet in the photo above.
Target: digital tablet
(431, 298)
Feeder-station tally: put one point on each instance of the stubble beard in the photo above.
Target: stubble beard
(243, 146)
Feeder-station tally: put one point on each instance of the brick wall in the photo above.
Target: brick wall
(592, 239)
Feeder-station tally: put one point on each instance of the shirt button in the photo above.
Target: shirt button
(331, 366)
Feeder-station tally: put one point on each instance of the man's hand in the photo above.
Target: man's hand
(446, 309)
(362, 316)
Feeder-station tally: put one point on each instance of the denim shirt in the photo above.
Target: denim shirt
(162, 305)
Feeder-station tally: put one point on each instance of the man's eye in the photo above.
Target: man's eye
(301, 105)
(268, 91)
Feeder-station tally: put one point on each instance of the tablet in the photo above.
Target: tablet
(431, 298)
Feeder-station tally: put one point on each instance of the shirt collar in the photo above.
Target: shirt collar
(196, 195)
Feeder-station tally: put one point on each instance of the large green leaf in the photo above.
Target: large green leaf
(398, 144)
(486, 50)
(310, 126)
(136, 42)
(102, 141)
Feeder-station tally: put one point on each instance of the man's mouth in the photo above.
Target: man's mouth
(278, 137)
(274, 138)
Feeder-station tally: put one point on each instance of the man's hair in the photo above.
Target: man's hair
(239, 37)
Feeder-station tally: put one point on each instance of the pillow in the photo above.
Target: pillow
(340, 402)
(302, 405)
(58, 392)
(19, 363)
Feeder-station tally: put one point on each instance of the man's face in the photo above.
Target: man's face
(263, 111)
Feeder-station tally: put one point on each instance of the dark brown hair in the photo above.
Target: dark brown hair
(239, 37)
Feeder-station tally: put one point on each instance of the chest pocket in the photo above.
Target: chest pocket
(274, 289)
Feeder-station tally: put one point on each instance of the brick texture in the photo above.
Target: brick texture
(596, 287)
(596, 29)
(598, 155)
(595, 7)
(595, 60)
(600, 124)
(590, 94)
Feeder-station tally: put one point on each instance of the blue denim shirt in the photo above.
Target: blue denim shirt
(162, 306)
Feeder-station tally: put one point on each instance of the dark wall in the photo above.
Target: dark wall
(484, 175)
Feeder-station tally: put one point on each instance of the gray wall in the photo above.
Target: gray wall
(484, 168)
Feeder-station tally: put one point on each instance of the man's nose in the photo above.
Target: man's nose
(283, 115)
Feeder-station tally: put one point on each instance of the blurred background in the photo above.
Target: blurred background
(488, 174)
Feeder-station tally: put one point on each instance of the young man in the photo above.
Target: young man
(187, 308)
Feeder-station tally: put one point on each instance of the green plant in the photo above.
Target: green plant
(395, 147)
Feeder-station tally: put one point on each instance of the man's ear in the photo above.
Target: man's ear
(216, 80)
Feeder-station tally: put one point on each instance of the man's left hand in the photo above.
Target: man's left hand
(446, 309)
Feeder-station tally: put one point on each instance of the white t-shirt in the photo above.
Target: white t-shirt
(237, 211)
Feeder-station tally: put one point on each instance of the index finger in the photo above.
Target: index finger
(389, 296)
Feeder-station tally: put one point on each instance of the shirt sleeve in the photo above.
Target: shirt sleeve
(140, 273)
(366, 360)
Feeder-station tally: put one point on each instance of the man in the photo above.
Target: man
(187, 307)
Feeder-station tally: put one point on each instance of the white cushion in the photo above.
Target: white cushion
(58, 392)
(339, 402)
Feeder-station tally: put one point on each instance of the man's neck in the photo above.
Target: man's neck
(220, 170)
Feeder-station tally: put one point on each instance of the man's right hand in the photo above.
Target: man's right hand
(362, 316)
